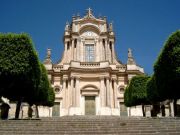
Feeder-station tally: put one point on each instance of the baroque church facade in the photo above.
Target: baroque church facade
(89, 79)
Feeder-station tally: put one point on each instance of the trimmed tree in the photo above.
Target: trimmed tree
(19, 68)
(153, 95)
(45, 95)
(127, 97)
(167, 70)
(136, 93)
(152, 92)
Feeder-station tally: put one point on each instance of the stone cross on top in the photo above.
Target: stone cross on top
(89, 12)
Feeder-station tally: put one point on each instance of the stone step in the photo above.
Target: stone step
(91, 125)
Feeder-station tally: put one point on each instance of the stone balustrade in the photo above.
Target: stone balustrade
(121, 68)
(57, 68)
(90, 64)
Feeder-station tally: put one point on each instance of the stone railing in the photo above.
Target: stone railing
(57, 67)
(121, 68)
(90, 64)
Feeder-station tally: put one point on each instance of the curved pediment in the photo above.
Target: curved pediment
(90, 90)
(90, 87)
(89, 27)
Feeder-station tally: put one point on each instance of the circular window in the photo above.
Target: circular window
(121, 89)
(57, 89)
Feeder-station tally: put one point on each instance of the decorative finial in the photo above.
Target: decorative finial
(48, 53)
(131, 60)
(89, 12)
(111, 26)
(67, 26)
(78, 16)
(48, 57)
(73, 17)
(129, 53)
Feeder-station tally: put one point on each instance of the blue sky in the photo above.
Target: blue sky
(143, 25)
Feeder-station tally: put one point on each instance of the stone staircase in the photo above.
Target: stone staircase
(79, 125)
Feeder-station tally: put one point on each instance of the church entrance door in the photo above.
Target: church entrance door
(90, 107)
(56, 109)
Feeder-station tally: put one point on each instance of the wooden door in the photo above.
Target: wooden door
(90, 107)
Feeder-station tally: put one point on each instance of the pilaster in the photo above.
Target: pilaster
(64, 93)
(113, 52)
(77, 92)
(71, 91)
(108, 92)
(72, 49)
(78, 49)
(102, 92)
(115, 93)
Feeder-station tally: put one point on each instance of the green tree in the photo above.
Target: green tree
(136, 93)
(167, 70)
(19, 68)
(152, 92)
(127, 97)
(153, 95)
(45, 94)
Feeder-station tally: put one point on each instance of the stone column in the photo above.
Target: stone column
(115, 93)
(69, 52)
(64, 93)
(83, 52)
(71, 91)
(75, 50)
(102, 92)
(107, 50)
(74, 93)
(72, 50)
(77, 92)
(95, 51)
(111, 93)
(110, 52)
(105, 92)
(113, 53)
(100, 50)
(78, 50)
(65, 52)
(108, 92)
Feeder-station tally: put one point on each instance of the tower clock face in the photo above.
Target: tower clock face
(89, 33)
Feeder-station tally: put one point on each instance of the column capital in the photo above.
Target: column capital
(101, 77)
(72, 77)
(100, 39)
(114, 78)
(77, 77)
(107, 77)
(65, 79)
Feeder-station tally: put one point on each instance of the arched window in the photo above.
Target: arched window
(68, 45)
(104, 43)
(75, 43)
(110, 45)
